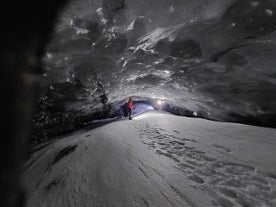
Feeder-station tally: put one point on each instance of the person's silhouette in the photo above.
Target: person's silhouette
(130, 106)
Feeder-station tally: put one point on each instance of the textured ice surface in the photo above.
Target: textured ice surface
(216, 58)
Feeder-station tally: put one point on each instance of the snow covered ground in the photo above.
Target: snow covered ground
(156, 159)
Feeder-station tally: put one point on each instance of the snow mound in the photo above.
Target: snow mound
(156, 159)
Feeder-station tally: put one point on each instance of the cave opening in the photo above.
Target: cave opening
(214, 62)
(102, 52)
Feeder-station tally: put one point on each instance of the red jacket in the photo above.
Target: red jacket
(130, 104)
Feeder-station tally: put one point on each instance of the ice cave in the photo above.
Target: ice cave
(202, 79)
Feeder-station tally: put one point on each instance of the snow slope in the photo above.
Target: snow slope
(156, 159)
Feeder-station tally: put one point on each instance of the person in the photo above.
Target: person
(130, 106)
(125, 109)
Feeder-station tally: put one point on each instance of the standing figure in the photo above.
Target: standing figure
(125, 110)
(130, 106)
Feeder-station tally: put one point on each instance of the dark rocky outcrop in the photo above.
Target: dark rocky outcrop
(27, 26)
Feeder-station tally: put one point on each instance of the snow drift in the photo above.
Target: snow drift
(156, 159)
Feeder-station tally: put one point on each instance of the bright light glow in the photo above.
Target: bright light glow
(160, 102)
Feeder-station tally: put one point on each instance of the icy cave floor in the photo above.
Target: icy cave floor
(156, 159)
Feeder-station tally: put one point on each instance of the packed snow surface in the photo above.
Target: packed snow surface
(156, 159)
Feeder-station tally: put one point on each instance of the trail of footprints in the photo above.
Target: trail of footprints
(228, 183)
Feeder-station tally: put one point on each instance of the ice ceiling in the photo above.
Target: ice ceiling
(215, 57)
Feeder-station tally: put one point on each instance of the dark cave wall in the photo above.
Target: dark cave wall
(24, 35)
